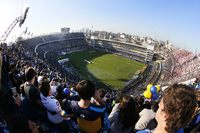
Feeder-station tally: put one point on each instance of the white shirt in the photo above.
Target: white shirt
(146, 115)
(114, 110)
(52, 105)
(53, 90)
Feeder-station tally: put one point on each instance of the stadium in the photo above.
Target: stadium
(96, 81)
(79, 57)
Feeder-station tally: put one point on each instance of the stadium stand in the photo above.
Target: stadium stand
(180, 66)
(80, 111)
(128, 50)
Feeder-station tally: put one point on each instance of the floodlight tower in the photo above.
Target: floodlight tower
(19, 20)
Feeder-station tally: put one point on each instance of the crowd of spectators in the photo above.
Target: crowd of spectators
(181, 65)
(67, 45)
(31, 43)
(36, 97)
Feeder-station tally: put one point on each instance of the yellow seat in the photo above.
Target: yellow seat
(89, 126)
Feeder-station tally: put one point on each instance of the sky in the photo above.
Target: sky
(175, 20)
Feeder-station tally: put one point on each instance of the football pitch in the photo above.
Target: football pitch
(104, 68)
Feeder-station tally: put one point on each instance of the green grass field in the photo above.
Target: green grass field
(109, 69)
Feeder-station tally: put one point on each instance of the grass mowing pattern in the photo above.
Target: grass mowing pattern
(106, 68)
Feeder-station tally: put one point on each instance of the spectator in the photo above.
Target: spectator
(102, 93)
(140, 102)
(14, 77)
(54, 111)
(54, 84)
(59, 94)
(11, 120)
(89, 116)
(7, 107)
(17, 123)
(147, 104)
(194, 125)
(176, 108)
(117, 101)
(125, 118)
(32, 105)
(146, 115)
(5, 81)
